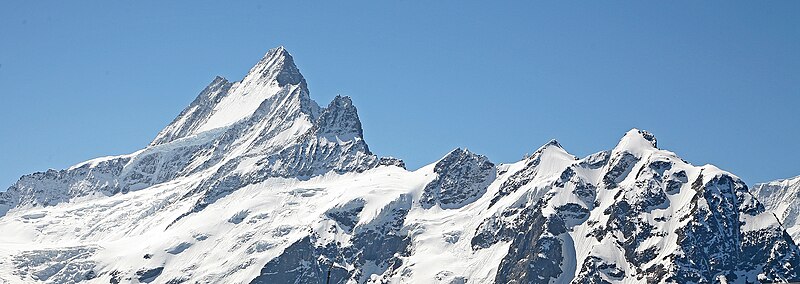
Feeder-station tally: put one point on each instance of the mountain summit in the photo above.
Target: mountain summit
(274, 78)
(263, 126)
(254, 182)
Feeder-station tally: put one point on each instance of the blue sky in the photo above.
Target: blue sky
(716, 81)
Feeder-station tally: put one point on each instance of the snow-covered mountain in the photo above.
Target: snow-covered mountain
(782, 198)
(255, 183)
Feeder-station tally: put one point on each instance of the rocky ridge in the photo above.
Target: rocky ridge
(254, 182)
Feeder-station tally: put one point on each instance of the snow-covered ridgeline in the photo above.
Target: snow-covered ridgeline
(782, 198)
(254, 182)
(267, 118)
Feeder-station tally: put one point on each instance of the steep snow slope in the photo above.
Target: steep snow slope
(280, 133)
(255, 183)
(230, 241)
(223, 103)
(782, 198)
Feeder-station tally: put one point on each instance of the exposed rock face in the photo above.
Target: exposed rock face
(332, 144)
(376, 248)
(392, 161)
(300, 263)
(286, 135)
(531, 170)
(256, 183)
(461, 178)
(535, 254)
(346, 216)
(643, 211)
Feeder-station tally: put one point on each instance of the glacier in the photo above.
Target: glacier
(254, 182)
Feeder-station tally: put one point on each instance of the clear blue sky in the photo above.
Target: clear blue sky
(716, 81)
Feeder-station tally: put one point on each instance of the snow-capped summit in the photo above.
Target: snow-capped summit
(339, 121)
(551, 146)
(273, 82)
(636, 140)
(552, 143)
(255, 183)
(265, 125)
(278, 65)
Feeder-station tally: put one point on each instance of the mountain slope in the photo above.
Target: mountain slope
(256, 183)
(781, 198)
(267, 118)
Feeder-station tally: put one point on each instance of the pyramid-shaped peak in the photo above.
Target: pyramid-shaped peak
(279, 51)
(274, 82)
(341, 101)
(552, 143)
(277, 64)
(461, 154)
(339, 121)
(636, 139)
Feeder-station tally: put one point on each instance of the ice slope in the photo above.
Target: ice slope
(255, 183)
(782, 198)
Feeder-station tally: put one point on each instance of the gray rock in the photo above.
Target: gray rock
(392, 161)
(461, 178)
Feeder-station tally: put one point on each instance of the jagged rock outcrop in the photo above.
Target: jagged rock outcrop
(333, 144)
(461, 178)
(376, 247)
(392, 161)
(255, 183)
(266, 121)
(642, 210)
